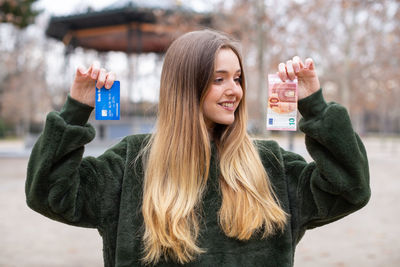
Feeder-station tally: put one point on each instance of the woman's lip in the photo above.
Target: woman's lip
(227, 108)
(228, 102)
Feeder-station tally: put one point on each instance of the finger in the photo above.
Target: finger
(110, 78)
(296, 64)
(81, 70)
(282, 72)
(309, 64)
(101, 78)
(298, 61)
(94, 70)
(290, 70)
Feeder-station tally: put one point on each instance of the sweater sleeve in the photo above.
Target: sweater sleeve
(63, 186)
(337, 182)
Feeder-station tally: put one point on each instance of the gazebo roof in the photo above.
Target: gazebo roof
(131, 29)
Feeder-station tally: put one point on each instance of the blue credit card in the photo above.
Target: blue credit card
(108, 103)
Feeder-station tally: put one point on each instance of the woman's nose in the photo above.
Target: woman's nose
(233, 88)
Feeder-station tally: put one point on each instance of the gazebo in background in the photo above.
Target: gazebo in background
(128, 27)
(131, 28)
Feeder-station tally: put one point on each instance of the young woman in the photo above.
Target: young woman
(199, 191)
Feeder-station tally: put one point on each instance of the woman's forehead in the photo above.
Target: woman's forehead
(227, 61)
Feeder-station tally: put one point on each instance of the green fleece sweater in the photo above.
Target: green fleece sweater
(106, 192)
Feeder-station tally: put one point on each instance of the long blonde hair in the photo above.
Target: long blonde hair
(177, 159)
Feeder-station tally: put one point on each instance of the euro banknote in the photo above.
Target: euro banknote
(282, 104)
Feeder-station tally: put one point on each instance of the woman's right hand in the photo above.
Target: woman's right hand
(83, 87)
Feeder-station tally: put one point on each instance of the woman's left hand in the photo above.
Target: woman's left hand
(306, 74)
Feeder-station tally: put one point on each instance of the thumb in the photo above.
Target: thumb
(309, 64)
(81, 71)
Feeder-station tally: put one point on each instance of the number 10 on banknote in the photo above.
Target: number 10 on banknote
(282, 104)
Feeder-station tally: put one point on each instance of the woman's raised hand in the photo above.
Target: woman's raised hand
(83, 86)
(306, 74)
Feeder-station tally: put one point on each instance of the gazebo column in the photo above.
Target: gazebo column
(134, 48)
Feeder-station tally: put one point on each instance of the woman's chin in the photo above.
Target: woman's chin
(226, 122)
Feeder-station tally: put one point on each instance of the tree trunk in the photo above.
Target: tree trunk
(261, 82)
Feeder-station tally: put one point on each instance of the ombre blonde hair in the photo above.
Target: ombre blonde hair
(177, 159)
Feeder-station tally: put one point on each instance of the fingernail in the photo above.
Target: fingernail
(308, 63)
(81, 69)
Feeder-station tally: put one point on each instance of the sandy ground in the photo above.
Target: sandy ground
(370, 237)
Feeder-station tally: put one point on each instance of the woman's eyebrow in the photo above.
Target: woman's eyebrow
(225, 71)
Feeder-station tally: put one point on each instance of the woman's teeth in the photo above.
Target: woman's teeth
(228, 105)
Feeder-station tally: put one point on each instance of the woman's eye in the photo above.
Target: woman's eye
(218, 80)
(238, 79)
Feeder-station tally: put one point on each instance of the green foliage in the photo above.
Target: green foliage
(18, 12)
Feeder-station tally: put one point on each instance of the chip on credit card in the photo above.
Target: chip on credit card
(108, 102)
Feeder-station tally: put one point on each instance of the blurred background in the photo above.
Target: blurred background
(356, 48)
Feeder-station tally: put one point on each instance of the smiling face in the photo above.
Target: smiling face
(225, 91)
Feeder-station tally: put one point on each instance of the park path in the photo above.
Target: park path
(368, 238)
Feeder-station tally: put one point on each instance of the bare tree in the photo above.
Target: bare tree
(355, 45)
